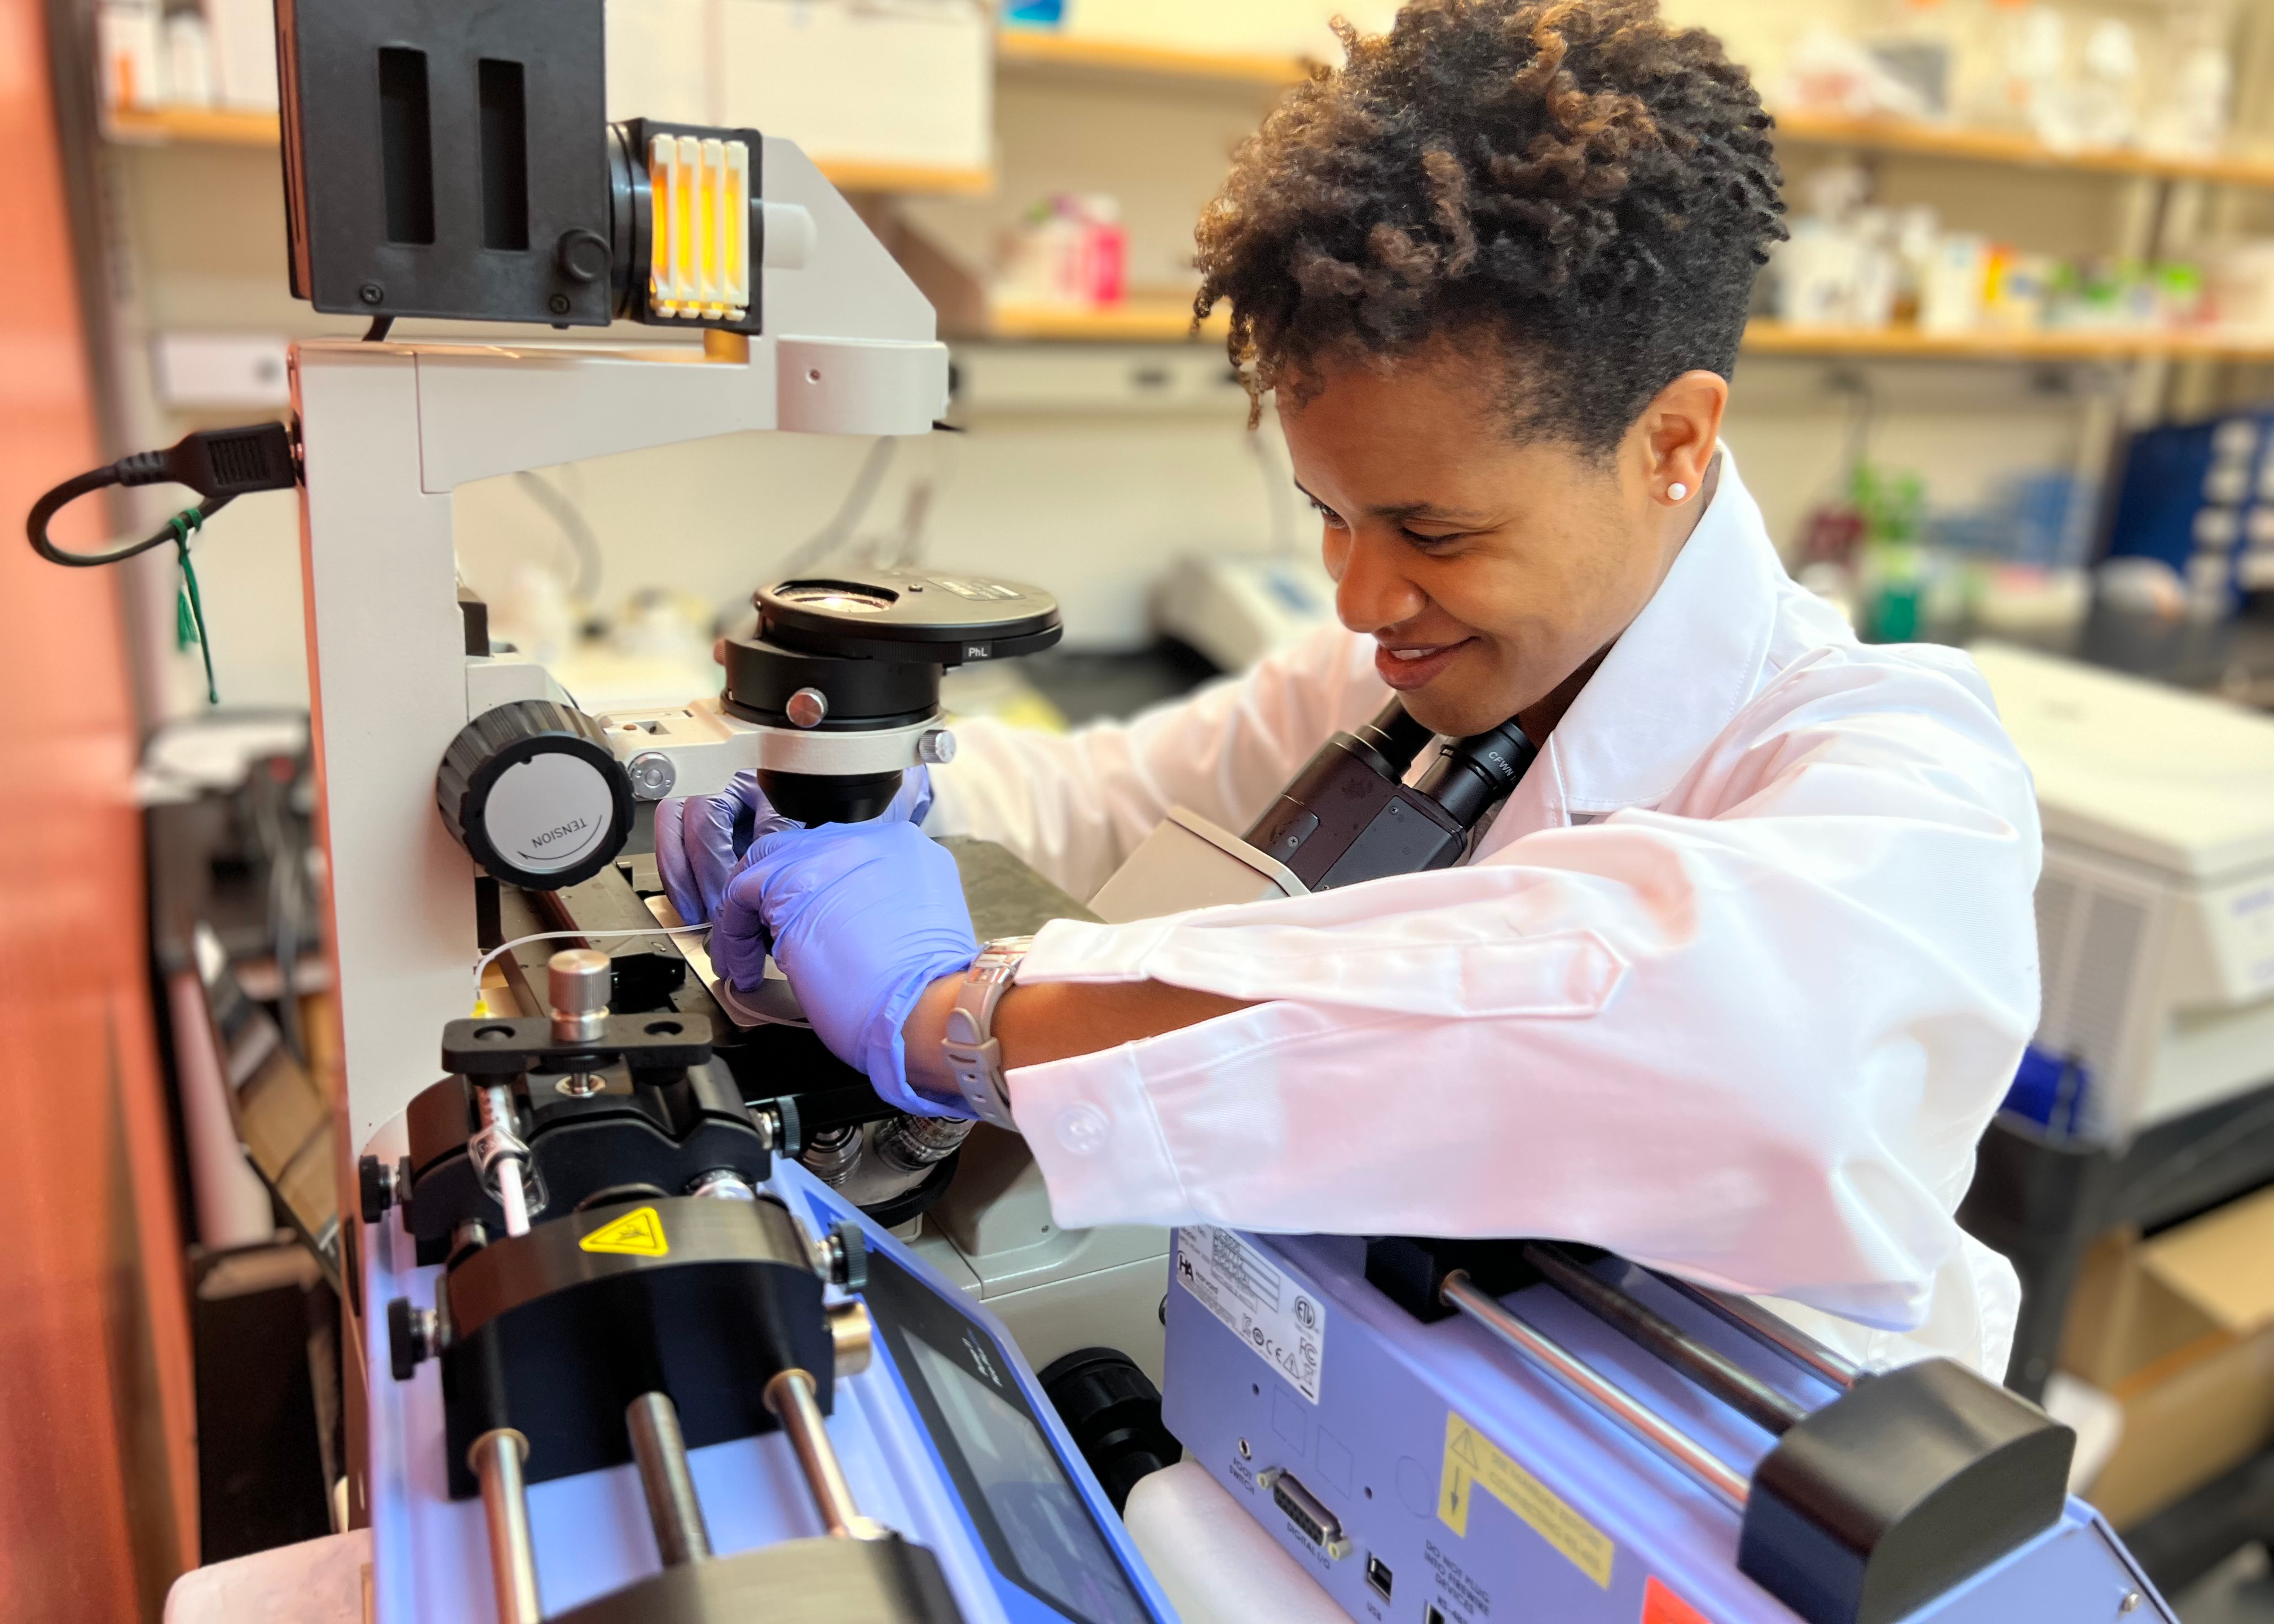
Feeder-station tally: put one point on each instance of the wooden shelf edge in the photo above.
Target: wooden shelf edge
(2015, 149)
(225, 127)
(1775, 338)
(211, 126)
(873, 174)
(1032, 47)
(1143, 321)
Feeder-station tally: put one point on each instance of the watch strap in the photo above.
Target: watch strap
(974, 1056)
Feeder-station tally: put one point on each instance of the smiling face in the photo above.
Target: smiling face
(1490, 570)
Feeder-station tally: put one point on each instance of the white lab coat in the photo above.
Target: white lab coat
(1731, 986)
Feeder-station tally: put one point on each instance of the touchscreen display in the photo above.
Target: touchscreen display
(1059, 1549)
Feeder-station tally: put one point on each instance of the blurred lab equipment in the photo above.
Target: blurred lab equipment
(1068, 250)
(2200, 498)
(2155, 910)
(1235, 609)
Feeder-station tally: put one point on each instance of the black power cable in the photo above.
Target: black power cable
(219, 464)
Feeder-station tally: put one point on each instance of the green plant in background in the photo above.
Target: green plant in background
(1892, 503)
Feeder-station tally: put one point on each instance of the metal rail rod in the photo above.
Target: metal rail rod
(496, 1458)
(1685, 1451)
(672, 1509)
(1771, 1332)
(1730, 1382)
(792, 1395)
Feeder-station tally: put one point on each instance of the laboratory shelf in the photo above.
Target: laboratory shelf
(158, 126)
(1764, 337)
(1030, 48)
(1916, 137)
(211, 126)
(1136, 321)
(1170, 321)
(938, 180)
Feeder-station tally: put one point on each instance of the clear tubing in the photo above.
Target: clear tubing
(497, 1112)
(1653, 1429)
(482, 965)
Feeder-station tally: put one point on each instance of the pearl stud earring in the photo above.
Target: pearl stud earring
(1678, 492)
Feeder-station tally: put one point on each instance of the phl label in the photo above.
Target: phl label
(1257, 1300)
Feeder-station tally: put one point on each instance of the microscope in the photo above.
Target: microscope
(622, 1355)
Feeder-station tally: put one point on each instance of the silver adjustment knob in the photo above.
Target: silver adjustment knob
(577, 984)
(936, 747)
(653, 775)
(807, 707)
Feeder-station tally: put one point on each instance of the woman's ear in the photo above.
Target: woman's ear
(1676, 434)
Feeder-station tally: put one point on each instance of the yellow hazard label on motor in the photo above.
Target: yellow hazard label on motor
(1473, 1461)
(637, 1234)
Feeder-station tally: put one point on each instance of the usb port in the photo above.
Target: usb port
(1377, 1575)
(1319, 1525)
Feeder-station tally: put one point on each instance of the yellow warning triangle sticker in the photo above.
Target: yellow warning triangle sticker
(637, 1234)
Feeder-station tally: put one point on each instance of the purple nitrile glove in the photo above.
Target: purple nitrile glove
(863, 918)
(701, 841)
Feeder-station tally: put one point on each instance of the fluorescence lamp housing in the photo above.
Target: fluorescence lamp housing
(496, 190)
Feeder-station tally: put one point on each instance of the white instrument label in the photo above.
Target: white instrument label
(1257, 1300)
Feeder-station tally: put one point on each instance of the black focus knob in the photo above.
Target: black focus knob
(1113, 1410)
(410, 1338)
(376, 1185)
(848, 1256)
(533, 792)
(583, 256)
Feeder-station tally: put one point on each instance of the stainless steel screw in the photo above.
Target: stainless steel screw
(807, 707)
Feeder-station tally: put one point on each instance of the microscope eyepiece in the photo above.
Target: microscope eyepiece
(1395, 740)
(1476, 771)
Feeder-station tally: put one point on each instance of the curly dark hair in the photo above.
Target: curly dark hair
(1586, 189)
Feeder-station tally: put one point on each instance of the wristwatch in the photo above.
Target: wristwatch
(974, 1058)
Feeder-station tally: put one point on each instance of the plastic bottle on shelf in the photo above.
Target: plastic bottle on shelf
(2190, 120)
(1923, 46)
(1952, 286)
(2103, 99)
(2027, 51)
(189, 60)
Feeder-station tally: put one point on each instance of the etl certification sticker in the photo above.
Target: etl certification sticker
(1257, 1300)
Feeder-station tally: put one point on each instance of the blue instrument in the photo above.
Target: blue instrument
(1606, 1450)
(945, 1439)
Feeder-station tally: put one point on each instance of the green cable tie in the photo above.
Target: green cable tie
(189, 611)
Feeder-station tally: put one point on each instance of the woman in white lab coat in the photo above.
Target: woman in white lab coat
(1734, 981)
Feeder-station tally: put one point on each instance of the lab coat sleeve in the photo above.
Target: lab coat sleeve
(1755, 1046)
(1073, 806)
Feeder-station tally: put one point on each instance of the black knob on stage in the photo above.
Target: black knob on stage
(1113, 1410)
(533, 792)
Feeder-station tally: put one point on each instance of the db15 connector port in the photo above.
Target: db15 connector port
(1319, 1525)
